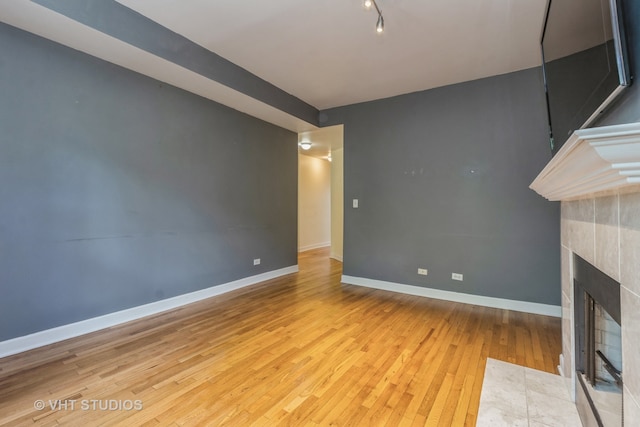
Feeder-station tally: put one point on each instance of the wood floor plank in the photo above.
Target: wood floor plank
(298, 350)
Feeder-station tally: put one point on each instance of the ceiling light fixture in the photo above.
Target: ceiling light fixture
(380, 23)
(305, 145)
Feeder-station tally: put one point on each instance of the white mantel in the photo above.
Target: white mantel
(591, 161)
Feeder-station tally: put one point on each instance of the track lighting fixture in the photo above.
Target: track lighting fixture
(380, 23)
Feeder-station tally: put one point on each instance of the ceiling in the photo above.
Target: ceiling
(328, 54)
(324, 141)
(325, 52)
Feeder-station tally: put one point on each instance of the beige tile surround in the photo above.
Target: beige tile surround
(604, 229)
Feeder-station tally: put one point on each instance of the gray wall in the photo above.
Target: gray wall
(442, 178)
(627, 108)
(117, 190)
(110, 17)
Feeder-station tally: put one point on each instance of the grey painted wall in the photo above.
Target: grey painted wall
(442, 179)
(117, 190)
(627, 108)
(111, 17)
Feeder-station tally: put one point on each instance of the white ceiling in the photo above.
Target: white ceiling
(324, 141)
(325, 52)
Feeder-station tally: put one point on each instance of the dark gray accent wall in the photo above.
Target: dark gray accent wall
(117, 190)
(627, 108)
(111, 17)
(442, 179)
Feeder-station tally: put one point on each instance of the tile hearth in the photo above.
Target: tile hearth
(515, 396)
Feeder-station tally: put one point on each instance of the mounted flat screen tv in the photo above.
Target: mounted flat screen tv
(585, 63)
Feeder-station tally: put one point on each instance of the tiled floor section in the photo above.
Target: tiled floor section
(516, 396)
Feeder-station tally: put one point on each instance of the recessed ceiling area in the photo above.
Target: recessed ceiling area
(324, 141)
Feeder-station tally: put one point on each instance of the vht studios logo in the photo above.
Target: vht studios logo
(88, 405)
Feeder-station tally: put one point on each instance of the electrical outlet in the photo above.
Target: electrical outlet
(355, 203)
(422, 271)
(456, 276)
(256, 261)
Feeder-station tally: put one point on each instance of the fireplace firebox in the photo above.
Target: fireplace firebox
(598, 347)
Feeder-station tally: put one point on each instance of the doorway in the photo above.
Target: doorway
(320, 190)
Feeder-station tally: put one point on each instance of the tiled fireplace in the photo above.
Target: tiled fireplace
(596, 176)
(605, 231)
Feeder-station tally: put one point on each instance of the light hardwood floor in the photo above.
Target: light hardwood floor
(299, 350)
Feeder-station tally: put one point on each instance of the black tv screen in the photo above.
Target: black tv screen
(585, 63)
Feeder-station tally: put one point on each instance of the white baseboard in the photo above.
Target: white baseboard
(336, 257)
(506, 304)
(314, 246)
(72, 330)
(560, 370)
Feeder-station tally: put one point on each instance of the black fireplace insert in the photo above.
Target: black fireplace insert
(598, 350)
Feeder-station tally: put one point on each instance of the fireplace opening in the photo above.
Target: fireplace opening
(598, 346)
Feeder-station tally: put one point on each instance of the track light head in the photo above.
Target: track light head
(380, 24)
